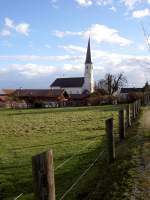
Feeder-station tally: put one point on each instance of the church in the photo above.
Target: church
(78, 85)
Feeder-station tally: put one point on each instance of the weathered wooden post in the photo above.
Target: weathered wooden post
(43, 176)
(145, 99)
(140, 102)
(110, 139)
(128, 118)
(148, 98)
(136, 107)
(121, 125)
(133, 110)
(139, 105)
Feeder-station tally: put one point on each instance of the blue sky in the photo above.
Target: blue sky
(41, 40)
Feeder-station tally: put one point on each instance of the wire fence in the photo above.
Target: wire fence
(125, 115)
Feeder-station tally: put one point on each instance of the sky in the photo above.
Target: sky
(41, 40)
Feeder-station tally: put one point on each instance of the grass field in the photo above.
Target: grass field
(68, 131)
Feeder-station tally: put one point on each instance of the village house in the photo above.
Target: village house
(5, 100)
(40, 97)
(129, 94)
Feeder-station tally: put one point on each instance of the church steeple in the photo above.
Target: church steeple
(88, 54)
(88, 73)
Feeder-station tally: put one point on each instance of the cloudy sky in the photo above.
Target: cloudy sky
(41, 40)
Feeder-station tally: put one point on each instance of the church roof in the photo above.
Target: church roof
(88, 54)
(68, 82)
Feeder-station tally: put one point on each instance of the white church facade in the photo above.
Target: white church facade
(78, 85)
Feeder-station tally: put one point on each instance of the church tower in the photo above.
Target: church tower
(88, 74)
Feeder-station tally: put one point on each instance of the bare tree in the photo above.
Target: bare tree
(112, 83)
(147, 41)
(146, 36)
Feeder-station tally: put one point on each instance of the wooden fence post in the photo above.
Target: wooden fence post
(139, 105)
(128, 118)
(136, 108)
(145, 99)
(43, 176)
(121, 125)
(133, 110)
(110, 139)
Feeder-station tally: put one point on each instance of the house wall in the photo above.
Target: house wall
(123, 95)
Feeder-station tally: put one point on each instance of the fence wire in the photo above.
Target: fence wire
(67, 160)
(18, 196)
(81, 176)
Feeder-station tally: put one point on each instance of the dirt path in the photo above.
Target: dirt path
(146, 118)
(141, 189)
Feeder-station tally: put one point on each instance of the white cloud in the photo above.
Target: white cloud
(84, 2)
(10, 25)
(103, 2)
(62, 34)
(47, 46)
(114, 9)
(141, 13)
(54, 3)
(133, 66)
(74, 48)
(9, 22)
(141, 47)
(31, 58)
(23, 28)
(102, 33)
(73, 67)
(31, 70)
(5, 32)
(131, 3)
(99, 33)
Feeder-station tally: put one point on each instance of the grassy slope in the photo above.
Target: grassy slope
(24, 133)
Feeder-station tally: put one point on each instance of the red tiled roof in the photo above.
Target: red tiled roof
(39, 92)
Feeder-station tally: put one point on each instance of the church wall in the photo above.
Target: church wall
(74, 90)
(77, 90)
(88, 78)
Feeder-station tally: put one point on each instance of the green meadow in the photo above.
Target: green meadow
(76, 133)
